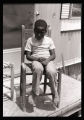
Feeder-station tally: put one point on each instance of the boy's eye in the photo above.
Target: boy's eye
(40, 31)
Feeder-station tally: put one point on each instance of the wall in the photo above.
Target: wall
(14, 15)
(71, 44)
(74, 71)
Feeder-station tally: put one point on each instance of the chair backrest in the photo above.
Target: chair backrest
(26, 33)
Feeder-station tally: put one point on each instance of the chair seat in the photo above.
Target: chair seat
(29, 71)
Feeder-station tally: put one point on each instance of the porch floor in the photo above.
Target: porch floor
(70, 99)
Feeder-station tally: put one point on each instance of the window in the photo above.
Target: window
(65, 11)
(75, 10)
(70, 10)
(70, 16)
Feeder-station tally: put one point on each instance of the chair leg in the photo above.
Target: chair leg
(59, 86)
(45, 83)
(23, 87)
(12, 82)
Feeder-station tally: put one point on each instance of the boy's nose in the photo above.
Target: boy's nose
(39, 34)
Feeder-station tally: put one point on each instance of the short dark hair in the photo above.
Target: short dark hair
(41, 23)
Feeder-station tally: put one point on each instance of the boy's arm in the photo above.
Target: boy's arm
(42, 60)
(29, 57)
(32, 58)
(52, 57)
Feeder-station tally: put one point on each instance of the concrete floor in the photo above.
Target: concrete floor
(70, 95)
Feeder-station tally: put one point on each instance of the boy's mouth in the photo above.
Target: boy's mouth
(39, 37)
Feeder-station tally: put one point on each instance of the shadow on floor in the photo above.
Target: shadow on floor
(42, 102)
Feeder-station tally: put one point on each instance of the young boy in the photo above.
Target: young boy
(40, 50)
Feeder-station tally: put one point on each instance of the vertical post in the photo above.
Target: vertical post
(63, 63)
(23, 87)
(22, 43)
(23, 71)
(12, 81)
(59, 85)
(45, 82)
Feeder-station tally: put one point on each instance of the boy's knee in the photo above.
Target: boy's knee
(51, 71)
(37, 66)
(51, 68)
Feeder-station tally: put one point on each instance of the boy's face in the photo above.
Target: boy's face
(39, 32)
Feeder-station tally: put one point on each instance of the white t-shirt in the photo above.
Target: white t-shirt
(40, 48)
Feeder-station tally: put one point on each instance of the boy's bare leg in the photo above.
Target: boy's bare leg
(51, 74)
(37, 75)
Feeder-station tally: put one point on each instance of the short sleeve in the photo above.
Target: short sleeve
(28, 45)
(52, 46)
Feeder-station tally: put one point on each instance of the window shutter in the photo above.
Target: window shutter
(65, 11)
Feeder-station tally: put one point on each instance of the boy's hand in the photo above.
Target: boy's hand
(41, 59)
(45, 62)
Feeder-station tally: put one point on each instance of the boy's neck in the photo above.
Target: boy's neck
(39, 40)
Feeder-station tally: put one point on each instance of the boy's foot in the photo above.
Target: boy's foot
(56, 100)
(31, 99)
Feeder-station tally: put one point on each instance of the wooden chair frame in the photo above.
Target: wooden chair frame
(7, 65)
(23, 71)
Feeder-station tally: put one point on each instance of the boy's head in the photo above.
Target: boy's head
(40, 28)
